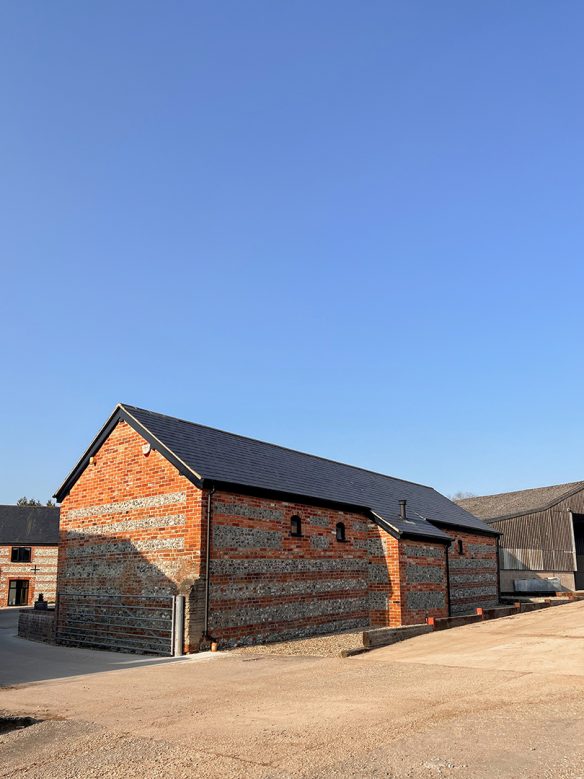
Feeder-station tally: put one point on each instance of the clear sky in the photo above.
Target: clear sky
(352, 228)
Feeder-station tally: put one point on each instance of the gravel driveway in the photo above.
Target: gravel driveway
(489, 700)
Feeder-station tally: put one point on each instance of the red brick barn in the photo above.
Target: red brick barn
(294, 544)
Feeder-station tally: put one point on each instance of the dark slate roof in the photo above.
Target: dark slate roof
(29, 525)
(212, 455)
(511, 504)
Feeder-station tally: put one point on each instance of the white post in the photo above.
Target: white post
(178, 633)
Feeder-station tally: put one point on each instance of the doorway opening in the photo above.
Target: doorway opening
(579, 543)
(18, 592)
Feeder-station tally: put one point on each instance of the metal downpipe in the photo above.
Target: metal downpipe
(206, 635)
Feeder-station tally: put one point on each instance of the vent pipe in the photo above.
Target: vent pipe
(402, 509)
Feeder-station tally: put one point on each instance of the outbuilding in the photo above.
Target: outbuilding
(29, 538)
(265, 543)
(542, 536)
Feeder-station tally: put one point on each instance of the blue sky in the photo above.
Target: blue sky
(350, 228)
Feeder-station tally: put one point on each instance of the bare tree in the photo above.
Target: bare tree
(462, 494)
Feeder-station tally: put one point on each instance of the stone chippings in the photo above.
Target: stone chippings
(230, 537)
(469, 578)
(424, 573)
(249, 512)
(151, 501)
(474, 592)
(276, 565)
(147, 523)
(288, 612)
(423, 551)
(319, 542)
(469, 563)
(378, 601)
(480, 548)
(269, 589)
(319, 521)
(418, 600)
(378, 573)
(124, 546)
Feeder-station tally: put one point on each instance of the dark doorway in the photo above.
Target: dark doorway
(18, 592)
(579, 542)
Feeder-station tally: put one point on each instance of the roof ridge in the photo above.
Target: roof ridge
(16, 506)
(277, 446)
(518, 492)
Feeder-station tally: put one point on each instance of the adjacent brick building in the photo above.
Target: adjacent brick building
(295, 544)
(29, 537)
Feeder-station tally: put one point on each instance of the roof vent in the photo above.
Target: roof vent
(402, 509)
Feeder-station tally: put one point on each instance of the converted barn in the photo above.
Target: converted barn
(29, 538)
(542, 536)
(293, 544)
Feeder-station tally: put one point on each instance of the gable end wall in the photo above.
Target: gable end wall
(130, 525)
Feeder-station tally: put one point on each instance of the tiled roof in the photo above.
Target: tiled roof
(220, 457)
(507, 504)
(29, 525)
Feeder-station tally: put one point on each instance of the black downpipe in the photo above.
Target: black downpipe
(446, 550)
(206, 635)
(498, 570)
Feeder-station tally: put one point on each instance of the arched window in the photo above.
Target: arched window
(295, 526)
(341, 531)
(460, 546)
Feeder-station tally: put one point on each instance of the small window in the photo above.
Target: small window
(460, 546)
(295, 526)
(20, 554)
(341, 531)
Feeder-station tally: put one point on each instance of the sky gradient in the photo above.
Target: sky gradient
(354, 229)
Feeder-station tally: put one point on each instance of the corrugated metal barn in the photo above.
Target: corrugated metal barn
(542, 535)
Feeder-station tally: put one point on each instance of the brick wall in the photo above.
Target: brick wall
(473, 574)
(44, 580)
(267, 584)
(407, 580)
(131, 524)
(37, 625)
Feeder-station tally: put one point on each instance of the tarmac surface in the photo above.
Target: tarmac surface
(501, 698)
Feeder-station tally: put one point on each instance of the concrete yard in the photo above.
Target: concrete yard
(500, 698)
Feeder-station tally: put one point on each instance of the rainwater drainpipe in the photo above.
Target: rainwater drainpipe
(446, 550)
(206, 635)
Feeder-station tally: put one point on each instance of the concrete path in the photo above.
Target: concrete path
(547, 641)
(491, 700)
(22, 662)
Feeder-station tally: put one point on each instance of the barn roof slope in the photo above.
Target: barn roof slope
(510, 504)
(29, 525)
(218, 457)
